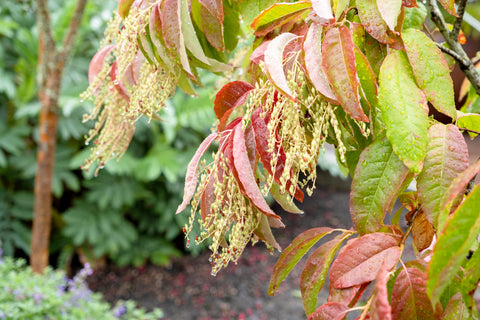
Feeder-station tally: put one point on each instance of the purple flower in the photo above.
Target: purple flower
(120, 311)
(37, 297)
(2, 315)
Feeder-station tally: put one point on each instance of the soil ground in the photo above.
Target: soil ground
(186, 290)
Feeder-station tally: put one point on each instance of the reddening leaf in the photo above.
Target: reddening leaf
(404, 110)
(119, 84)
(170, 14)
(471, 273)
(192, 175)
(246, 177)
(228, 97)
(323, 9)
(371, 19)
(284, 200)
(312, 47)
(410, 3)
(124, 7)
(274, 62)
(415, 16)
(368, 80)
(430, 70)
(98, 61)
(409, 295)
(446, 158)
(264, 232)
(338, 63)
(376, 184)
(293, 253)
(381, 309)
(375, 52)
(389, 11)
(277, 15)
(211, 12)
(208, 196)
(329, 311)
(315, 271)
(340, 6)
(456, 309)
(422, 232)
(449, 5)
(346, 295)
(360, 260)
(469, 121)
(457, 187)
(455, 240)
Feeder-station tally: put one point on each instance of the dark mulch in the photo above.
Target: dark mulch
(186, 290)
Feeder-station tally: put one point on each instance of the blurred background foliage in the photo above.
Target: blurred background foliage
(127, 212)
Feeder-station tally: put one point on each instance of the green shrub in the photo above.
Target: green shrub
(25, 295)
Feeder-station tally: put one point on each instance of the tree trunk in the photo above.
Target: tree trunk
(50, 67)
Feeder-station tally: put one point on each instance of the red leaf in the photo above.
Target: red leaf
(245, 172)
(338, 62)
(449, 5)
(98, 61)
(118, 82)
(359, 261)
(208, 195)
(212, 22)
(156, 35)
(313, 62)
(315, 272)
(329, 311)
(230, 96)
(323, 9)
(381, 309)
(259, 53)
(346, 295)
(409, 295)
(409, 3)
(374, 24)
(274, 62)
(293, 253)
(192, 175)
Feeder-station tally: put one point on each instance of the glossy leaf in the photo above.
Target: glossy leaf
(449, 5)
(315, 271)
(228, 97)
(192, 175)
(338, 62)
(278, 14)
(404, 110)
(312, 47)
(323, 9)
(447, 157)
(98, 61)
(469, 121)
(376, 184)
(274, 62)
(373, 22)
(409, 295)
(329, 311)
(430, 70)
(457, 237)
(245, 173)
(360, 260)
(293, 253)
(381, 309)
(389, 11)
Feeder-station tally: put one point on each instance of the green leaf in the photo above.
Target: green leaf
(431, 70)
(457, 237)
(284, 199)
(315, 271)
(404, 109)
(374, 24)
(449, 5)
(415, 17)
(389, 11)
(277, 15)
(447, 157)
(472, 273)
(367, 78)
(340, 6)
(376, 184)
(293, 253)
(338, 62)
(469, 121)
(456, 309)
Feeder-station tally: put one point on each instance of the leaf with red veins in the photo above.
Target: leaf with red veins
(360, 260)
(313, 62)
(274, 63)
(374, 24)
(323, 9)
(156, 35)
(293, 253)
(172, 33)
(192, 175)
(329, 311)
(409, 294)
(381, 309)
(246, 178)
(409, 3)
(98, 61)
(345, 296)
(261, 144)
(230, 96)
(449, 5)
(389, 11)
(338, 62)
(211, 12)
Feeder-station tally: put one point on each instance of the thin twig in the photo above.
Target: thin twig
(458, 22)
(74, 26)
(366, 308)
(410, 227)
(469, 130)
(450, 52)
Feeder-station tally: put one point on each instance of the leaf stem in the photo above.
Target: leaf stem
(410, 227)
(366, 308)
(469, 130)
